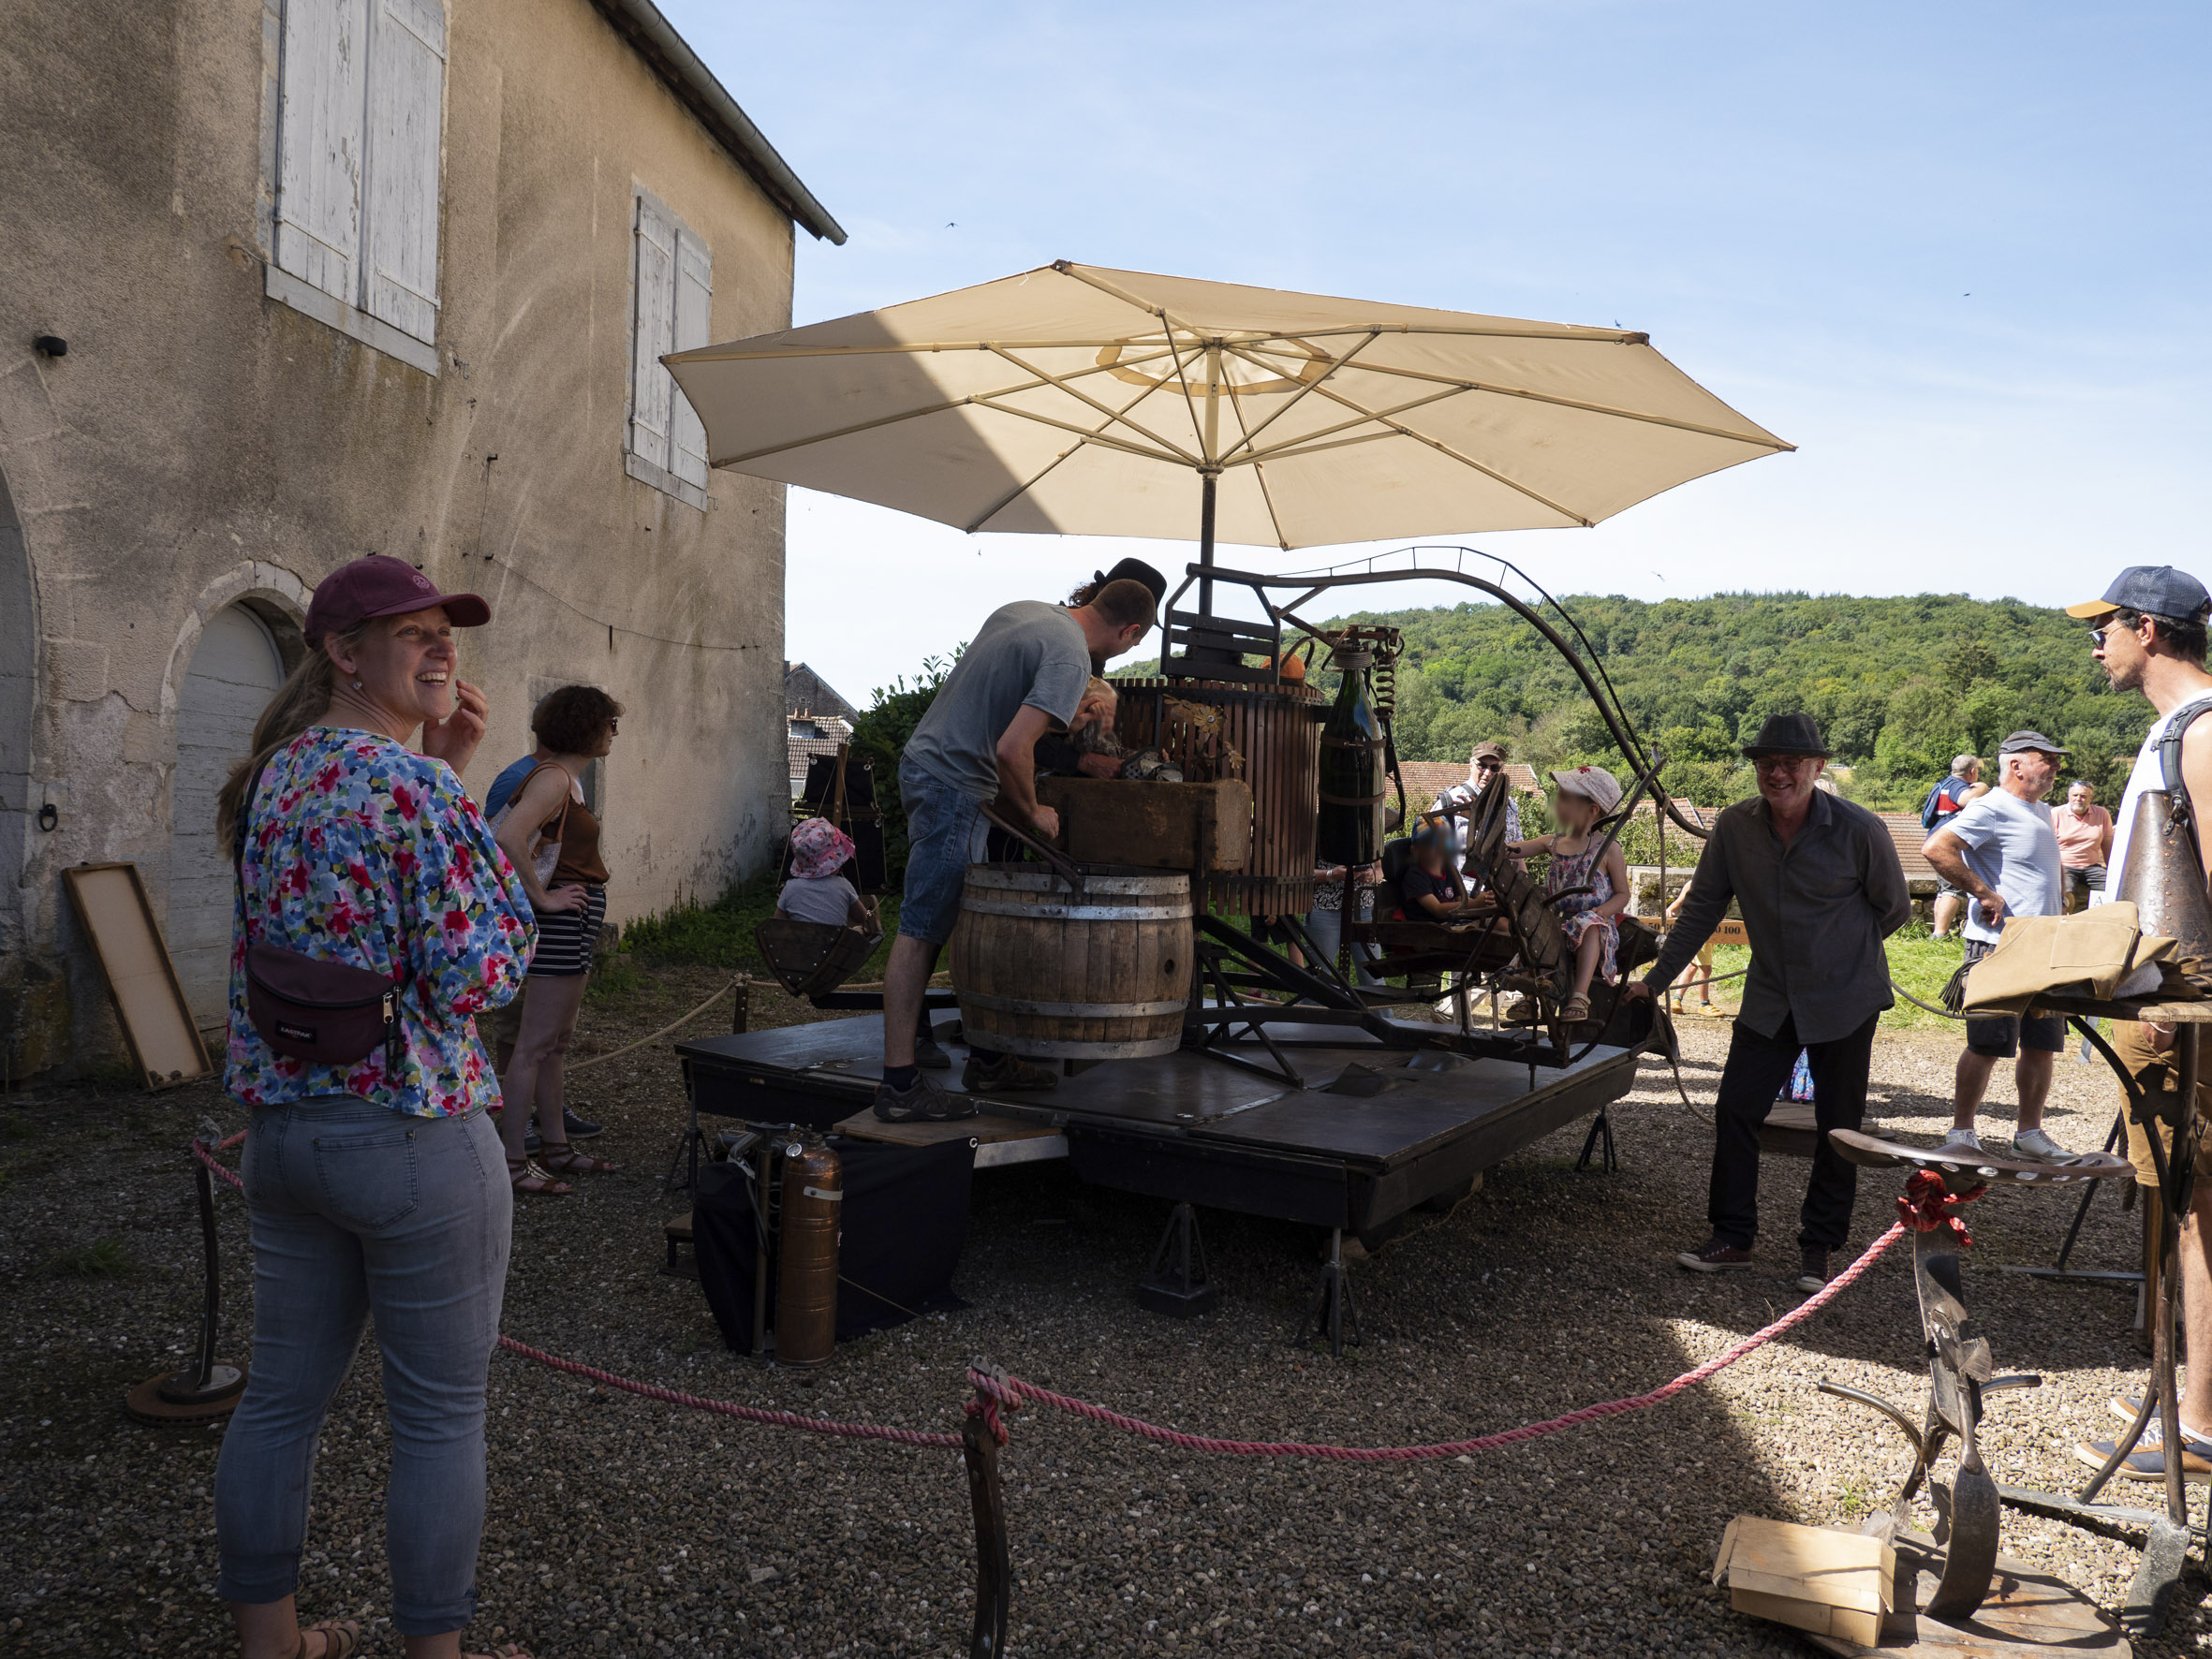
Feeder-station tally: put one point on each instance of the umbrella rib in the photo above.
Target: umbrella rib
(1018, 492)
(1447, 450)
(1290, 403)
(983, 400)
(1113, 417)
(1166, 323)
(1763, 440)
(1266, 498)
(766, 354)
(938, 408)
(1299, 445)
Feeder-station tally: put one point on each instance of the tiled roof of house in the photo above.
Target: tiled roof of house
(806, 692)
(1906, 831)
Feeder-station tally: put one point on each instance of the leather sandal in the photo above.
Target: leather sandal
(341, 1639)
(525, 1175)
(1576, 1011)
(563, 1159)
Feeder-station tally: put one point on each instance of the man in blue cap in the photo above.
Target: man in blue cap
(2149, 637)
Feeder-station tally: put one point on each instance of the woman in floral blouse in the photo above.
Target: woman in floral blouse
(375, 1188)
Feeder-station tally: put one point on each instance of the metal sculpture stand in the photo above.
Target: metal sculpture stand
(1944, 1585)
(2166, 1531)
(1331, 1306)
(207, 1389)
(1178, 1284)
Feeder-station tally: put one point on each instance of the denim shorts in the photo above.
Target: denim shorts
(945, 832)
(2005, 1034)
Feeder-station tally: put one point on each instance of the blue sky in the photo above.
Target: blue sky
(1956, 253)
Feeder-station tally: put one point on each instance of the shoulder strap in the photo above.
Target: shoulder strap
(245, 825)
(2170, 761)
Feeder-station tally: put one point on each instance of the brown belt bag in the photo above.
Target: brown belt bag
(326, 1012)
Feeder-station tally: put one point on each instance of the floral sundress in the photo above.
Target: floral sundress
(1578, 915)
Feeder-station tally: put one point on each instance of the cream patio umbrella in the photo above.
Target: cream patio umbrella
(1084, 401)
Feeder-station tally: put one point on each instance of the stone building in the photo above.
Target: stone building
(291, 281)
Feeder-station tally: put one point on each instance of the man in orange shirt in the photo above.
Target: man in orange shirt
(2085, 843)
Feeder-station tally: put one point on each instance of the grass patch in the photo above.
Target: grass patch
(16, 1125)
(1918, 961)
(720, 935)
(103, 1259)
(613, 978)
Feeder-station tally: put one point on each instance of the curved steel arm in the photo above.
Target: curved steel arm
(1602, 696)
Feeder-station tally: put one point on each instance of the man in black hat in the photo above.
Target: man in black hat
(1819, 888)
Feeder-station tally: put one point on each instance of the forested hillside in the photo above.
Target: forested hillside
(1898, 685)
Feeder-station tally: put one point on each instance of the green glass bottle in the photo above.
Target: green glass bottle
(1350, 832)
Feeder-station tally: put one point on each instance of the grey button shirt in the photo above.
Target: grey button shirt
(1816, 912)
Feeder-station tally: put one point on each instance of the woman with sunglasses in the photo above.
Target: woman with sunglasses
(553, 840)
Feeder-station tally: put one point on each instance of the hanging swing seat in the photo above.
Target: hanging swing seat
(809, 958)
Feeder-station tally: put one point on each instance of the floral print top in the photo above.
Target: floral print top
(361, 851)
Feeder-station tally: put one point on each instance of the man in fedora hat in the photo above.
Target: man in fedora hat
(1819, 888)
(2149, 635)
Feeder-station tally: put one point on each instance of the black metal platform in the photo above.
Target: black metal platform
(1372, 1133)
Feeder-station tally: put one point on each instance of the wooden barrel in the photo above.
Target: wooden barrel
(1100, 975)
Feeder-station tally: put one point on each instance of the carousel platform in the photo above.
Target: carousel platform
(1368, 1133)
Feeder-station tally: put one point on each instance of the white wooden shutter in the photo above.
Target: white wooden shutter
(406, 88)
(319, 143)
(653, 326)
(695, 290)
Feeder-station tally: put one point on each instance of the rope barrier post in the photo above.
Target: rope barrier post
(981, 1436)
(208, 1389)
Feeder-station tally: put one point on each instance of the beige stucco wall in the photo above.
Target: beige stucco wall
(200, 443)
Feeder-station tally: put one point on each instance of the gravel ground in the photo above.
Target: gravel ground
(624, 1527)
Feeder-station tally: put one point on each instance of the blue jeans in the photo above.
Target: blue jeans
(945, 833)
(1327, 928)
(357, 1212)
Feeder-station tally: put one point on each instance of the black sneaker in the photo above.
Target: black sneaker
(925, 1102)
(1815, 1276)
(580, 1128)
(1713, 1256)
(930, 1057)
(1007, 1074)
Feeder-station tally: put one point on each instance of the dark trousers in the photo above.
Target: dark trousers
(1759, 1069)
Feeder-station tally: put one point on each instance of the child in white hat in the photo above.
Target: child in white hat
(1582, 796)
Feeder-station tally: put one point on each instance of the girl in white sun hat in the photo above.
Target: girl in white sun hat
(1582, 796)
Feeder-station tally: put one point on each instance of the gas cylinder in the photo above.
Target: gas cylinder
(1350, 828)
(806, 1270)
(2163, 879)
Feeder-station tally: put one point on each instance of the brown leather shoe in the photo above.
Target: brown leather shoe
(1715, 1257)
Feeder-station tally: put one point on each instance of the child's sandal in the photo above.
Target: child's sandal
(1576, 1011)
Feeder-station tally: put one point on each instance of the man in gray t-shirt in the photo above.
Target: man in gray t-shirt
(1029, 654)
(2003, 854)
(1021, 678)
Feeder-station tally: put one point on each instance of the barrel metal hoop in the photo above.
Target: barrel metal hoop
(1036, 878)
(972, 906)
(1021, 1005)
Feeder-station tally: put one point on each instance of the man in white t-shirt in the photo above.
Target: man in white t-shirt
(2002, 851)
(2149, 633)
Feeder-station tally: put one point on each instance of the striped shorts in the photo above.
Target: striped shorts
(565, 937)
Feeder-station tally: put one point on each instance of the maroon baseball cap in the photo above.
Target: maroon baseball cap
(380, 586)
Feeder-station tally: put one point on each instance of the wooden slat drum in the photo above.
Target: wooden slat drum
(1278, 729)
(1103, 974)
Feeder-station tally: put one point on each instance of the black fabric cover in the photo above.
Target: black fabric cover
(905, 1221)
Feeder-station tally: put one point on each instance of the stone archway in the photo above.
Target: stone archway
(34, 1020)
(242, 640)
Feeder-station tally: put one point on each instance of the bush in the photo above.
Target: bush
(880, 735)
(103, 1259)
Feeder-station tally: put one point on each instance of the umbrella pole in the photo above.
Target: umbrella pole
(1206, 542)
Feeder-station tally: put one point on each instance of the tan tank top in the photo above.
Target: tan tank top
(579, 833)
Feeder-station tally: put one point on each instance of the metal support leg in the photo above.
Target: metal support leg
(1331, 1309)
(1178, 1283)
(1600, 1132)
